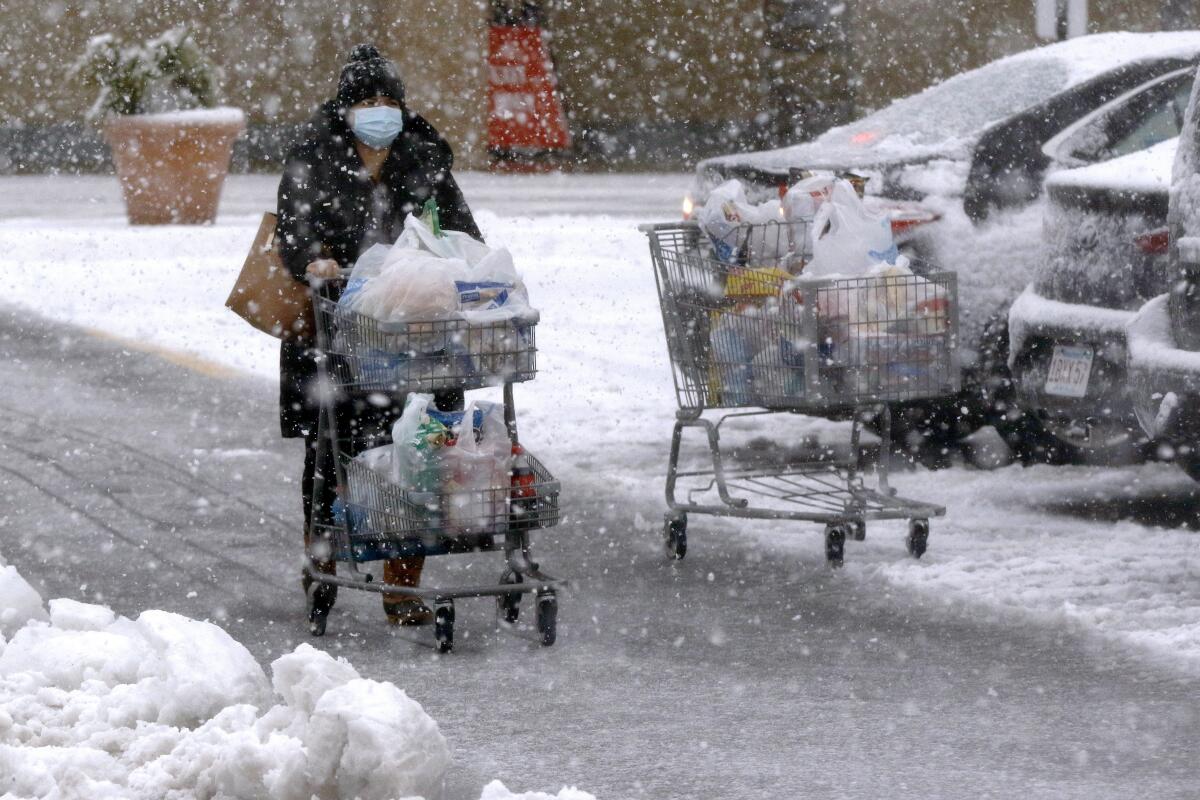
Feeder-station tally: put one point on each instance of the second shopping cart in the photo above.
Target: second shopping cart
(752, 338)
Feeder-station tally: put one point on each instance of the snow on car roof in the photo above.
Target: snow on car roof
(1146, 171)
(948, 117)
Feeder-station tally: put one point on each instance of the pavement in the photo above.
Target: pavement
(742, 671)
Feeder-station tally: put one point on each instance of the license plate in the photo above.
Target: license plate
(1070, 368)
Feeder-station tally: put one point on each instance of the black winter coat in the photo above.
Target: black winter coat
(330, 208)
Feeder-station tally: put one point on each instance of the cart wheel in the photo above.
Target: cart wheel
(508, 606)
(675, 537)
(918, 537)
(319, 601)
(835, 544)
(858, 530)
(443, 627)
(547, 617)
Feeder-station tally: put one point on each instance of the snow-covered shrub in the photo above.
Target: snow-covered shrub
(166, 73)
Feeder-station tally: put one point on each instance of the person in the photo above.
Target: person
(364, 162)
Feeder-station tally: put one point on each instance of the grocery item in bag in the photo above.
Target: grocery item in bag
(847, 238)
(802, 200)
(426, 277)
(476, 472)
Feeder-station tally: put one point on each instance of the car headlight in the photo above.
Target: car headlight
(1183, 306)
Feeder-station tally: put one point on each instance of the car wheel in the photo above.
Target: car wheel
(1001, 407)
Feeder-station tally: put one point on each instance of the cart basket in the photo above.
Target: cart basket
(384, 516)
(366, 355)
(755, 336)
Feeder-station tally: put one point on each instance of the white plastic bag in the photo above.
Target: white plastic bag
(368, 266)
(425, 278)
(721, 217)
(476, 472)
(414, 285)
(418, 441)
(806, 196)
(848, 239)
(451, 244)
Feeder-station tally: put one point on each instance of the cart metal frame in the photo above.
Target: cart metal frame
(364, 359)
(692, 286)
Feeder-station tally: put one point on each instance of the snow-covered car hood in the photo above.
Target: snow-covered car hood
(946, 120)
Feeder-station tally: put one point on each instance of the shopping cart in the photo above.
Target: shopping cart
(748, 334)
(370, 366)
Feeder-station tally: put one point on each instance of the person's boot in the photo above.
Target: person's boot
(326, 567)
(405, 609)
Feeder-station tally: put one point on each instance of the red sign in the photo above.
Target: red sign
(525, 114)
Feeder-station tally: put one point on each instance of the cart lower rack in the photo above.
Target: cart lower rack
(745, 336)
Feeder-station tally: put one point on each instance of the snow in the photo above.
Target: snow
(1147, 171)
(946, 119)
(220, 115)
(19, 602)
(96, 705)
(1032, 313)
(599, 415)
(496, 791)
(1152, 347)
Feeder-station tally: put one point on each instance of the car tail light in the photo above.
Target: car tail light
(688, 206)
(904, 221)
(1155, 242)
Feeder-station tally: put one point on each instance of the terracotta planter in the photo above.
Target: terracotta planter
(172, 166)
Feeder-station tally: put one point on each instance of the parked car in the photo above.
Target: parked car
(975, 143)
(979, 136)
(1164, 336)
(1105, 235)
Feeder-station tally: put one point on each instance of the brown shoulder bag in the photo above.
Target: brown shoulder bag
(266, 295)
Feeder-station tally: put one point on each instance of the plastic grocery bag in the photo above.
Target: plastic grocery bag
(848, 239)
(424, 278)
(806, 196)
(418, 439)
(476, 471)
(368, 266)
(721, 217)
(449, 244)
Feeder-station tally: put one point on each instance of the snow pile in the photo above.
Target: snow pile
(496, 791)
(100, 706)
(1152, 347)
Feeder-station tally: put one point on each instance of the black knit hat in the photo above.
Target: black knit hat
(368, 74)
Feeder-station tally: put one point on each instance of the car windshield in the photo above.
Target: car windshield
(958, 107)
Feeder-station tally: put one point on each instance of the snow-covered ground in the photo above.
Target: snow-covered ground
(98, 706)
(1047, 543)
(1114, 554)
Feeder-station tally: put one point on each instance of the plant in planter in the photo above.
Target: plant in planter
(170, 145)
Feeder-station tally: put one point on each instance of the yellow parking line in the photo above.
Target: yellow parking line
(180, 358)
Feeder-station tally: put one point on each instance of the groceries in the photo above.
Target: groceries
(455, 467)
(887, 333)
(742, 233)
(424, 277)
(848, 240)
(434, 311)
(819, 226)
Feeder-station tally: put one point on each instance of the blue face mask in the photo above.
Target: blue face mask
(377, 126)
